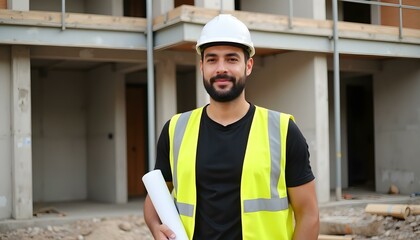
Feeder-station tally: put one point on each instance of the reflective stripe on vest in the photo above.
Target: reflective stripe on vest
(181, 125)
(252, 205)
(274, 203)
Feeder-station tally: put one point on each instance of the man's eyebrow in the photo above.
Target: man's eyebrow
(210, 55)
(232, 55)
(226, 55)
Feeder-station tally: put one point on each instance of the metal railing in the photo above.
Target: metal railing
(386, 4)
(63, 13)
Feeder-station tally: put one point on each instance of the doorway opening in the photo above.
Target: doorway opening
(360, 132)
(356, 12)
(137, 132)
(185, 88)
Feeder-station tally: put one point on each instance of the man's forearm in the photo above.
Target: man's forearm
(307, 228)
(150, 215)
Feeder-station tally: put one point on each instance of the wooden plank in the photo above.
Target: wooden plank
(414, 209)
(334, 237)
(279, 23)
(400, 211)
(344, 225)
(196, 15)
(73, 20)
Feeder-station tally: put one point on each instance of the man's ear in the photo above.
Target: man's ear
(249, 65)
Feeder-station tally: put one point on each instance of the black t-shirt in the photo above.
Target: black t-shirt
(220, 155)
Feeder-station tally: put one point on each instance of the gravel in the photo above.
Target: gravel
(391, 228)
(133, 227)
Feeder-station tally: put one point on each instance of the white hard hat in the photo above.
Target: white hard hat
(225, 28)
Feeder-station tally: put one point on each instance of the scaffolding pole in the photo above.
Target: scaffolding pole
(337, 109)
(150, 86)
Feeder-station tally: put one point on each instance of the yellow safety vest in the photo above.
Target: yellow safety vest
(265, 210)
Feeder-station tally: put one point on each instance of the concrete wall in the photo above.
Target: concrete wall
(19, 5)
(105, 7)
(296, 83)
(59, 135)
(216, 4)
(313, 9)
(107, 158)
(397, 125)
(5, 135)
(74, 6)
(165, 85)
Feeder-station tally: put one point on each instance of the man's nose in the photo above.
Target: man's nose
(221, 67)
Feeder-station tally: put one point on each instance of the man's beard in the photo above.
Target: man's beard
(225, 96)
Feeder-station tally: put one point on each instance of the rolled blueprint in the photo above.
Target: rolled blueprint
(164, 203)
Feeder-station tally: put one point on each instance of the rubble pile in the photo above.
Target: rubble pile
(358, 225)
(122, 228)
(356, 222)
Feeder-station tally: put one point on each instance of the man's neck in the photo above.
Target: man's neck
(226, 113)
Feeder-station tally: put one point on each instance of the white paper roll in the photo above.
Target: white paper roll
(164, 203)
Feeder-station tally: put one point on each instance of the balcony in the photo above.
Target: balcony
(179, 29)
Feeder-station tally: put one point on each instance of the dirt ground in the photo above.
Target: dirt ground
(133, 227)
(379, 227)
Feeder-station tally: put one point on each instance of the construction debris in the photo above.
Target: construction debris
(47, 210)
(414, 209)
(344, 225)
(334, 237)
(393, 189)
(400, 211)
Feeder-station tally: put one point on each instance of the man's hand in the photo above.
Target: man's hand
(162, 232)
(159, 231)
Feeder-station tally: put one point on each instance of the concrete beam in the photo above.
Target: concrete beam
(21, 132)
(88, 54)
(357, 66)
(53, 36)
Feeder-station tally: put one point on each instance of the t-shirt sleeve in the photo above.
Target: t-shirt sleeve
(298, 168)
(162, 154)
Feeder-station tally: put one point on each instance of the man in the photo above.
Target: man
(238, 171)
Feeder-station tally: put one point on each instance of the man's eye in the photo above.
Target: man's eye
(232, 59)
(211, 60)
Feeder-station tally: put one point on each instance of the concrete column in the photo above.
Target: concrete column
(321, 129)
(5, 134)
(120, 139)
(20, 5)
(375, 14)
(21, 133)
(202, 97)
(216, 4)
(166, 102)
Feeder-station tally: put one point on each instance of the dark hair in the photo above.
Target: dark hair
(243, 47)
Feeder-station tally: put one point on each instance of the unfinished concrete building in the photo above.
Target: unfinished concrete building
(80, 112)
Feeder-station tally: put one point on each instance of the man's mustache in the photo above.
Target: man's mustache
(222, 76)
